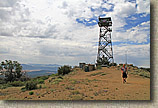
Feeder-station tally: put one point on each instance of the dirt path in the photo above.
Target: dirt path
(104, 84)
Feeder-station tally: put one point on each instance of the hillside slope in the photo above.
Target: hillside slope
(103, 84)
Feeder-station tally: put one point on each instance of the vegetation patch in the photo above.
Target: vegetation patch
(87, 80)
(103, 74)
(75, 92)
(94, 74)
(145, 74)
(40, 79)
(96, 93)
(95, 80)
(30, 85)
(141, 72)
(95, 85)
(52, 90)
(56, 81)
(23, 89)
(64, 70)
(4, 86)
(40, 86)
(75, 82)
(31, 93)
(77, 97)
(62, 84)
(16, 83)
(69, 88)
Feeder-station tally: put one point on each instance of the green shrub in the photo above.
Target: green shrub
(141, 73)
(75, 81)
(16, 83)
(44, 87)
(23, 89)
(95, 85)
(75, 92)
(24, 78)
(30, 85)
(145, 74)
(44, 77)
(31, 93)
(40, 86)
(41, 77)
(4, 86)
(64, 70)
(52, 75)
(56, 81)
(40, 81)
(69, 88)
(94, 74)
(103, 74)
(2, 81)
(96, 93)
(52, 90)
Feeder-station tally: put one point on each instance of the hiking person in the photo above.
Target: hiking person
(124, 73)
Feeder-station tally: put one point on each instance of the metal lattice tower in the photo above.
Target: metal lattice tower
(105, 52)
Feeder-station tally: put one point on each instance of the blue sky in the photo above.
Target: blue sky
(66, 31)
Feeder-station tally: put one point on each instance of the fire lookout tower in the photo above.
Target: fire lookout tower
(105, 52)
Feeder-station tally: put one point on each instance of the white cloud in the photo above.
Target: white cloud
(124, 9)
(138, 34)
(143, 6)
(139, 55)
(46, 31)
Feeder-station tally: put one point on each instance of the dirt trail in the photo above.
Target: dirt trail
(104, 84)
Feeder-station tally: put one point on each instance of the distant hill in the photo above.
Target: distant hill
(40, 66)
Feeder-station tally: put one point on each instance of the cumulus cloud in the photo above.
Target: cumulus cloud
(143, 6)
(47, 31)
(138, 55)
(138, 34)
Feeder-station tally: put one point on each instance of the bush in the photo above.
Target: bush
(56, 81)
(75, 92)
(16, 83)
(40, 86)
(40, 81)
(31, 93)
(94, 74)
(30, 85)
(64, 70)
(24, 78)
(69, 88)
(4, 86)
(43, 77)
(23, 89)
(77, 97)
(2, 81)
